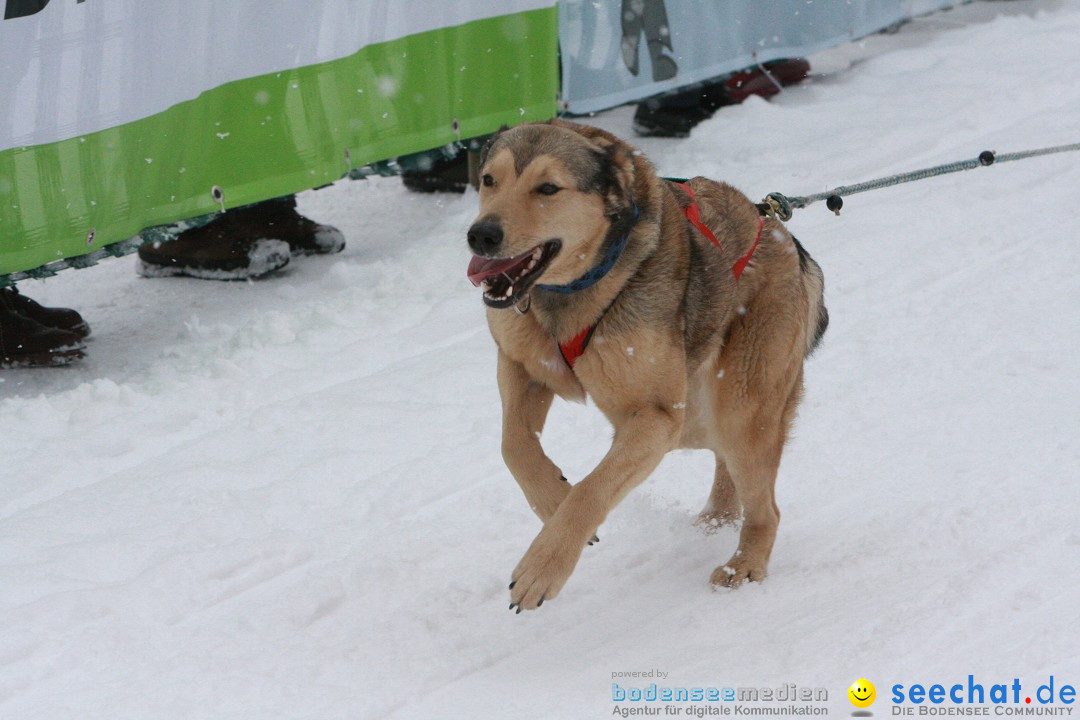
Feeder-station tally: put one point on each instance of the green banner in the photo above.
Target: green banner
(272, 135)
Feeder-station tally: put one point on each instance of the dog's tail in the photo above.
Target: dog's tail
(814, 282)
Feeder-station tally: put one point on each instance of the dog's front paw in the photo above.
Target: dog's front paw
(736, 571)
(543, 571)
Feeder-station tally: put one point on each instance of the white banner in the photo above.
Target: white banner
(72, 67)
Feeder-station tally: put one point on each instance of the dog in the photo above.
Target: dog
(677, 307)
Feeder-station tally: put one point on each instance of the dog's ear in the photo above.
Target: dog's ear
(491, 141)
(595, 135)
(615, 180)
(617, 174)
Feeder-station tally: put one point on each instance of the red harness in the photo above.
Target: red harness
(575, 348)
(694, 216)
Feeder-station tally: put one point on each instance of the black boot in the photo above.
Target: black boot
(450, 176)
(28, 343)
(243, 244)
(675, 114)
(59, 318)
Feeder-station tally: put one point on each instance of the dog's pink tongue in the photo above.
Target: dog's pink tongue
(481, 268)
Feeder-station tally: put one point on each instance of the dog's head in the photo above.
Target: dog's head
(550, 196)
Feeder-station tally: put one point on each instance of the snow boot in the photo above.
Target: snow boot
(281, 221)
(766, 82)
(450, 176)
(242, 244)
(676, 115)
(28, 343)
(59, 318)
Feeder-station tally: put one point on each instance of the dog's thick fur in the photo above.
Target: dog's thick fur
(684, 356)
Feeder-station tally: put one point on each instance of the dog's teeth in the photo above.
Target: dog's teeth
(538, 252)
(509, 291)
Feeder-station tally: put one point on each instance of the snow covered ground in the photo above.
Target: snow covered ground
(285, 499)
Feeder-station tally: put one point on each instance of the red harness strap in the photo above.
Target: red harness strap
(575, 348)
(693, 214)
(742, 262)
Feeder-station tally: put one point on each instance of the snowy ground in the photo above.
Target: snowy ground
(285, 499)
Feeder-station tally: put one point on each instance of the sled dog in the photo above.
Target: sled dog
(681, 310)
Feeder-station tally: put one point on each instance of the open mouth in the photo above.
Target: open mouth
(503, 280)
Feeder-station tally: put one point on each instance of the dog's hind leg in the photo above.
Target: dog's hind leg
(757, 444)
(723, 506)
(525, 408)
(756, 434)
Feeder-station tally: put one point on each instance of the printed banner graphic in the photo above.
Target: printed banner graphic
(618, 51)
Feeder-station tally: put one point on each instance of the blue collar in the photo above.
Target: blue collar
(597, 273)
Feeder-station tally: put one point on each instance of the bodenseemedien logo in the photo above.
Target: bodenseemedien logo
(789, 699)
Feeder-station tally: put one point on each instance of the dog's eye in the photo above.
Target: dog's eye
(487, 180)
(548, 189)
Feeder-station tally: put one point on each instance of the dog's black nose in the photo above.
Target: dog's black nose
(485, 237)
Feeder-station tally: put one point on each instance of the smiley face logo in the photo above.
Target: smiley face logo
(862, 693)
